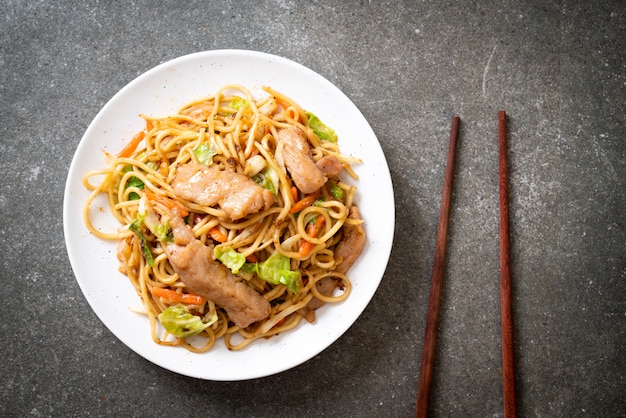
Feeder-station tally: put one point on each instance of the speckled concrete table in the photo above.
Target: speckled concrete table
(558, 69)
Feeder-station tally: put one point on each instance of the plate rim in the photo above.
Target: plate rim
(84, 143)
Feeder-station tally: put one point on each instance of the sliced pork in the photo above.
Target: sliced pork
(203, 275)
(325, 286)
(235, 193)
(352, 242)
(347, 251)
(329, 165)
(297, 155)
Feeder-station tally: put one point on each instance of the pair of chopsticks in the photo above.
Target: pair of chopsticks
(432, 319)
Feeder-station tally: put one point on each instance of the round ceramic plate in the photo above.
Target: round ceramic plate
(162, 91)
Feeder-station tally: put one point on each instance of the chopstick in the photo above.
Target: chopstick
(506, 311)
(432, 317)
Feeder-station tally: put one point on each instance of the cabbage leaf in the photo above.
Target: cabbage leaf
(230, 258)
(324, 132)
(277, 270)
(178, 321)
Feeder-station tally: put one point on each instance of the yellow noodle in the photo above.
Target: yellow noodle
(236, 127)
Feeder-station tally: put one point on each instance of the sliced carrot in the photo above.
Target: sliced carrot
(313, 230)
(171, 204)
(217, 234)
(252, 258)
(171, 296)
(306, 201)
(294, 193)
(305, 248)
(294, 114)
(132, 145)
(282, 103)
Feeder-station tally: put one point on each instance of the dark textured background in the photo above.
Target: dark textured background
(557, 68)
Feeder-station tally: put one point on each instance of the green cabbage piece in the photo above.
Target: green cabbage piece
(335, 190)
(230, 258)
(178, 321)
(136, 181)
(276, 270)
(321, 130)
(268, 179)
(163, 232)
(238, 103)
(204, 153)
(135, 226)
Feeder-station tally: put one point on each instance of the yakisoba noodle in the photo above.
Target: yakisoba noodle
(233, 132)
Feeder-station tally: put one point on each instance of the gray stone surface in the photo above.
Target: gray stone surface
(557, 68)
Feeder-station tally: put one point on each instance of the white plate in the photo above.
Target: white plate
(162, 91)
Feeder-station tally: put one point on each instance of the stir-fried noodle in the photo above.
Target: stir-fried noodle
(285, 245)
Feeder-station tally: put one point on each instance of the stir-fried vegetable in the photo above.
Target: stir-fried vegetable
(230, 258)
(136, 182)
(171, 204)
(161, 229)
(204, 153)
(135, 226)
(335, 190)
(321, 130)
(306, 201)
(217, 234)
(171, 296)
(268, 179)
(313, 229)
(178, 321)
(132, 145)
(276, 270)
(239, 102)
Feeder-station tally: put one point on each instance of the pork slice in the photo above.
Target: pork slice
(350, 247)
(297, 154)
(329, 165)
(203, 275)
(326, 286)
(236, 194)
(347, 251)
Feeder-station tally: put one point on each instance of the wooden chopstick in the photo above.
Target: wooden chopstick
(432, 318)
(506, 311)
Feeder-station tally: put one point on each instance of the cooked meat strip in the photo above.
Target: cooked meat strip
(203, 275)
(325, 286)
(235, 193)
(329, 165)
(352, 242)
(347, 252)
(297, 154)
